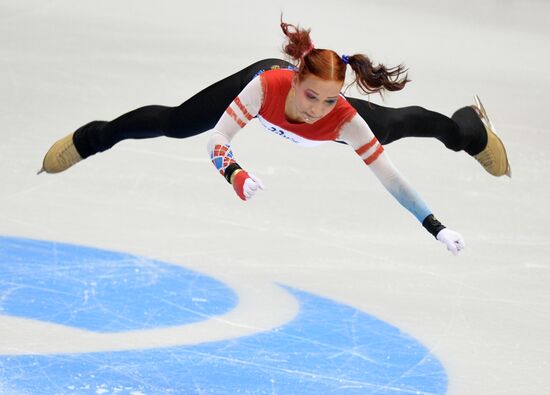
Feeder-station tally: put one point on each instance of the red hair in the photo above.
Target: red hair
(328, 65)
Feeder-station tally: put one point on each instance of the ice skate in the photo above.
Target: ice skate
(60, 156)
(493, 158)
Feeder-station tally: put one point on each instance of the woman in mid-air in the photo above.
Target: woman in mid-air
(303, 104)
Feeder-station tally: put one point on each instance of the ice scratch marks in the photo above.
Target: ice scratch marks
(327, 347)
(103, 291)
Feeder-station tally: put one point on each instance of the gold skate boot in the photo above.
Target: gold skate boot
(60, 156)
(493, 158)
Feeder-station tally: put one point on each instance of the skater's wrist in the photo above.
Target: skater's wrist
(231, 171)
(432, 225)
(234, 174)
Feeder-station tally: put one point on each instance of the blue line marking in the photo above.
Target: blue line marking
(329, 348)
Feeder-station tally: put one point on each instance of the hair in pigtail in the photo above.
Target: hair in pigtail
(328, 65)
(299, 43)
(374, 78)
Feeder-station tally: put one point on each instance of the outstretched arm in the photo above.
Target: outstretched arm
(357, 134)
(236, 116)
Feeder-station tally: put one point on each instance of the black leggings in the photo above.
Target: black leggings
(463, 131)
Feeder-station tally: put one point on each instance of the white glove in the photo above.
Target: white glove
(246, 185)
(251, 185)
(453, 240)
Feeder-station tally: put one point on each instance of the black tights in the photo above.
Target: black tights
(463, 131)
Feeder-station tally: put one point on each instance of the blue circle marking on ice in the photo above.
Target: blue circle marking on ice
(327, 348)
(103, 291)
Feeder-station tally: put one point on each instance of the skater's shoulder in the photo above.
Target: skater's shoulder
(278, 75)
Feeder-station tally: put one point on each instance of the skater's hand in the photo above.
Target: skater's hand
(453, 240)
(246, 185)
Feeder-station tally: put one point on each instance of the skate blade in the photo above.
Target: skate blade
(483, 112)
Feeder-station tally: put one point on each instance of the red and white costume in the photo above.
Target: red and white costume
(265, 96)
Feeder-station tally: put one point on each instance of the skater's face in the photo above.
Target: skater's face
(313, 97)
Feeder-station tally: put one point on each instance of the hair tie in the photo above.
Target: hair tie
(345, 59)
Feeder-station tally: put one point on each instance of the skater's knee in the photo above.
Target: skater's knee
(178, 124)
(171, 121)
(412, 119)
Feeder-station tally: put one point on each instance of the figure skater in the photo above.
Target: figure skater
(302, 103)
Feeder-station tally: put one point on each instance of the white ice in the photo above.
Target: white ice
(324, 224)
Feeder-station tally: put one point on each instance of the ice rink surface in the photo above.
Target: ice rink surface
(139, 272)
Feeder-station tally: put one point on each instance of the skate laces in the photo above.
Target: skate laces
(68, 154)
(486, 157)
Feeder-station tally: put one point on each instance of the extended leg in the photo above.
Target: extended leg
(463, 131)
(468, 129)
(196, 115)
